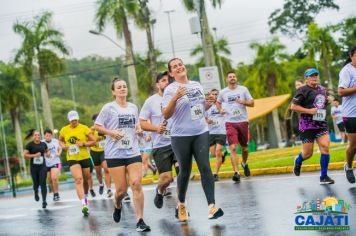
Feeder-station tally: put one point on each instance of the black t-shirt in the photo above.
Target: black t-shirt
(33, 148)
(309, 97)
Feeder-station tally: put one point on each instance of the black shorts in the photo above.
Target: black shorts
(97, 157)
(217, 139)
(83, 163)
(54, 166)
(309, 136)
(123, 162)
(350, 124)
(164, 158)
(341, 127)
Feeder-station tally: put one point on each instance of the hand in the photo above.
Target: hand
(79, 143)
(161, 128)
(117, 134)
(38, 154)
(181, 91)
(240, 101)
(222, 111)
(139, 131)
(148, 138)
(313, 111)
(209, 121)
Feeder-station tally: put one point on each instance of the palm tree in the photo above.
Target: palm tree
(41, 45)
(267, 75)
(15, 102)
(199, 6)
(116, 12)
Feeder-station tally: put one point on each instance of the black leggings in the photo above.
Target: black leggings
(184, 148)
(39, 176)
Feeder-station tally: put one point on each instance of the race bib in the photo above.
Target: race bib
(73, 150)
(125, 143)
(320, 115)
(167, 133)
(38, 160)
(236, 112)
(215, 123)
(102, 143)
(196, 111)
(52, 156)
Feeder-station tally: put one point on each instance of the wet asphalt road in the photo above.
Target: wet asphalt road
(263, 205)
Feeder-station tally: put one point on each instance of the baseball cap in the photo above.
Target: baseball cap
(309, 72)
(73, 115)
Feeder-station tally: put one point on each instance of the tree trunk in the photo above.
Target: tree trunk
(328, 74)
(46, 107)
(15, 116)
(258, 133)
(207, 37)
(151, 55)
(131, 70)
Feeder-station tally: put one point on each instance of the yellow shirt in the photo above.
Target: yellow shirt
(71, 135)
(99, 145)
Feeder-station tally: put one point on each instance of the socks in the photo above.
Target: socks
(324, 163)
(299, 159)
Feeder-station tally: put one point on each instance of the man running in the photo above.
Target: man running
(53, 162)
(237, 98)
(337, 117)
(151, 119)
(217, 133)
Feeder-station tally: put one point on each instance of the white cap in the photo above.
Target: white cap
(73, 115)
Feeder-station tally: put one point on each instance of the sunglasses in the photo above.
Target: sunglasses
(312, 75)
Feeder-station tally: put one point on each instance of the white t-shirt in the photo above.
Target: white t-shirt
(152, 111)
(218, 125)
(235, 112)
(347, 79)
(113, 117)
(336, 111)
(53, 147)
(188, 117)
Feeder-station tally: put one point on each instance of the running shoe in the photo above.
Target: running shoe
(326, 180)
(223, 157)
(85, 210)
(296, 168)
(349, 174)
(116, 215)
(127, 198)
(109, 193)
(246, 169)
(101, 189)
(236, 177)
(158, 200)
(37, 198)
(215, 212)
(92, 193)
(181, 212)
(216, 177)
(154, 171)
(167, 193)
(142, 227)
(44, 205)
(56, 197)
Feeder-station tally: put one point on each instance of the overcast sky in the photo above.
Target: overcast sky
(240, 21)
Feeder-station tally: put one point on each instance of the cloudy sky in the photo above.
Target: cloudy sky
(240, 21)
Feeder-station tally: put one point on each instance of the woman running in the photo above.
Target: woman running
(311, 101)
(75, 138)
(347, 90)
(53, 162)
(184, 103)
(118, 120)
(37, 151)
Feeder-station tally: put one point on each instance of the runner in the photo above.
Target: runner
(337, 117)
(118, 120)
(151, 119)
(347, 90)
(236, 97)
(184, 102)
(75, 138)
(98, 156)
(311, 101)
(217, 133)
(36, 151)
(145, 144)
(53, 161)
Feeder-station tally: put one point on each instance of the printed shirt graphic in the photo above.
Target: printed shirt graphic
(309, 97)
(336, 111)
(152, 111)
(218, 125)
(99, 145)
(347, 79)
(113, 117)
(188, 118)
(234, 112)
(53, 147)
(71, 135)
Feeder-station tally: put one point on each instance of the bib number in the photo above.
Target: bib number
(236, 112)
(73, 150)
(215, 123)
(125, 142)
(38, 160)
(320, 115)
(196, 111)
(167, 133)
(102, 143)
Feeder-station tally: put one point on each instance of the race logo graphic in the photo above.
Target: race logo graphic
(73, 140)
(194, 94)
(329, 214)
(214, 112)
(127, 121)
(232, 99)
(319, 101)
